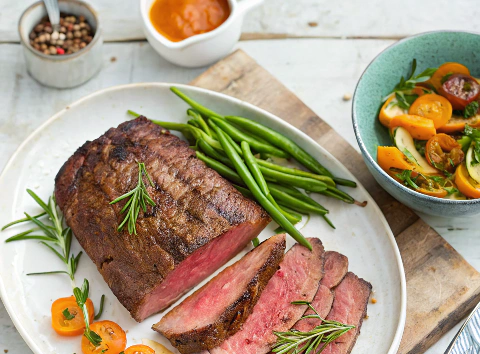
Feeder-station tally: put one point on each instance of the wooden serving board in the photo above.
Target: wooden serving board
(441, 286)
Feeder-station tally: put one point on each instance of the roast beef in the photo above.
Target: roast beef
(218, 309)
(297, 279)
(199, 221)
(335, 268)
(349, 307)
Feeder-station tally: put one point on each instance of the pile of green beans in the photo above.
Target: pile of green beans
(225, 144)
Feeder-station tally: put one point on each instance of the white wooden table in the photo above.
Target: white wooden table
(317, 48)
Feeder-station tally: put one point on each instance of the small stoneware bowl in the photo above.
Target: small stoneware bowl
(202, 49)
(430, 50)
(61, 71)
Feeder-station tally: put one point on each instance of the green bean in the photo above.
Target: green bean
(194, 123)
(341, 193)
(282, 142)
(132, 113)
(306, 183)
(247, 177)
(332, 194)
(245, 191)
(237, 148)
(195, 105)
(345, 182)
(240, 136)
(189, 129)
(297, 194)
(294, 203)
(214, 154)
(203, 125)
(222, 170)
(255, 242)
(296, 172)
(254, 169)
(293, 212)
(292, 216)
(329, 222)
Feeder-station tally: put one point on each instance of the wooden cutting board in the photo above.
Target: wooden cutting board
(441, 286)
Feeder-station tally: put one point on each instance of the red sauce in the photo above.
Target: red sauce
(180, 19)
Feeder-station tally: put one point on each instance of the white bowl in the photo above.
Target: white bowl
(202, 49)
(61, 71)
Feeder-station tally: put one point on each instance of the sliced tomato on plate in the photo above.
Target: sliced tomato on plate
(67, 317)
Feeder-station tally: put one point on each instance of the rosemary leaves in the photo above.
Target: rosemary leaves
(314, 341)
(53, 235)
(139, 198)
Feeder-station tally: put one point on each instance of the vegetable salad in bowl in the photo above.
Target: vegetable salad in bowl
(434, 122)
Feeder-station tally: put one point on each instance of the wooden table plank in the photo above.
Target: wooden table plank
(286, 18)
(435, 303)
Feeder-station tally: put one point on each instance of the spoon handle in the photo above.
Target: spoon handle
(53, 12)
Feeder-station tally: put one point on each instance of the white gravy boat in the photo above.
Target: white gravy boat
(202, 49)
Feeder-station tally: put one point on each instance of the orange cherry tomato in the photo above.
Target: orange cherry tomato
(457, 124)
(465, 184)
(139, 349)
(439, 193)
(420, 128)
(434, 107)
(444, 152)
(460, 90)
(390, 111)
(114, 339)
(448, 68)
(76, 325)
(389, 157)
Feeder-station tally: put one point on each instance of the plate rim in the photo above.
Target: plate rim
(403, 296)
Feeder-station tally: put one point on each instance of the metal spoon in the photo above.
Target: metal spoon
(53, 12)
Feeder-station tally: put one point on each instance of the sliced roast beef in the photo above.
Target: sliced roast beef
(349, 307)
(218, 309)
(335, 268)
(297, 279)
(199, 221)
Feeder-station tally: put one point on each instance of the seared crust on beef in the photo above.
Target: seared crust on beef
(194, 205)
(259, 266)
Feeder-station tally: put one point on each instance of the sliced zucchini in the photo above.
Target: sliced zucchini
(472, 167)
(404, 142)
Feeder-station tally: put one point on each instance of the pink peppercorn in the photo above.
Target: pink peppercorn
(60, 51)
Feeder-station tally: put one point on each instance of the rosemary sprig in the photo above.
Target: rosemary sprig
(139, 198)
(59, 240)
(295, 342)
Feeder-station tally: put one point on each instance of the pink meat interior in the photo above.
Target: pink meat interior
(211, 301)
(199, 266)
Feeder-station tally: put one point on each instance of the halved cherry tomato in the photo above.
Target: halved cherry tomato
(460, 90)
(449, 68)
(434, 107)
(421, 90)
(114, 339)
(457, 124)
(428, 186)
(76, 325)
(389, 157)
(389, 111)
(420, 128)
(444, 152)
(139, 349)
(465, 184)
(439, 193)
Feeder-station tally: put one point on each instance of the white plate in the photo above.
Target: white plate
(362, 234)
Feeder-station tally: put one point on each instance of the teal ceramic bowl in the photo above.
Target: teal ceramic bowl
(430, 50)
